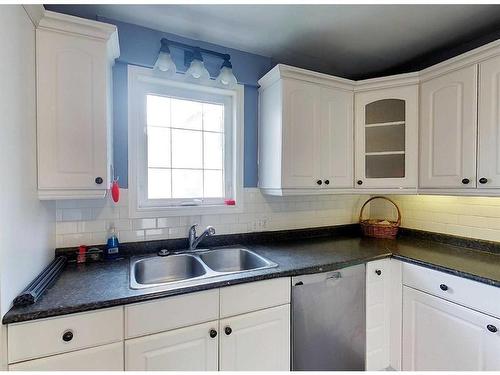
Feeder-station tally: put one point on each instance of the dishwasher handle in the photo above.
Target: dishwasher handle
(316, 278)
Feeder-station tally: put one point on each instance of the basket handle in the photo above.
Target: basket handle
(380, 197)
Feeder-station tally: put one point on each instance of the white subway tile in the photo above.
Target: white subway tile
(144, 223)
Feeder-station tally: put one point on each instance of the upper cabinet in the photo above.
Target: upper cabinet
(74, 106)
(387, 137)
(488, 163)
(305, 132)
(448, 130)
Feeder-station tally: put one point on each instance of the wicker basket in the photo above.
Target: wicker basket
(379, 228)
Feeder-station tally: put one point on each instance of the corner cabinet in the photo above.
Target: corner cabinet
(74, 106)
(386, 134)
(448, 130)
(305, 132)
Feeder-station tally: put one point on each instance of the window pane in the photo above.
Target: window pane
(213, 117)
(214, 184)
(385, 138)
(385, 166)
(213, 150)
(187, 149)
(158, 110)
(159, 186)
(186, 114)
(158, 147)
(187, 183)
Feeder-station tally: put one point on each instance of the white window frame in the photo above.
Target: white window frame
(144, 80)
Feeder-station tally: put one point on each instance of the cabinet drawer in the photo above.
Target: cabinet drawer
(102, 358)
(477, 296)
(45, 337)
(170, 313)
(240, 299)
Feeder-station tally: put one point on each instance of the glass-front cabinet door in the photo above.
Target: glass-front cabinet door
(387, 138)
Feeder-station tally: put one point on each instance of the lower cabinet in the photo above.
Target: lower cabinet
(101, 358)
(442, 335)
(193, 348)
(257, 341)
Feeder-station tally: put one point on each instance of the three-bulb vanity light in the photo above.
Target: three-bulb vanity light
(193, 60)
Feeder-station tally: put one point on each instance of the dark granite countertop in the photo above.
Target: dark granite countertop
(100, 285)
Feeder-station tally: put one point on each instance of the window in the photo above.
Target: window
(185, 149)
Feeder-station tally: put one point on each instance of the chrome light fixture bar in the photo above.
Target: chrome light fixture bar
(193, 61)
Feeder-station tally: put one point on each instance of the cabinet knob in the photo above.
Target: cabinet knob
(492, 328)
(465, 181)
(67, 336)
(98, 180)
(319, 182)
(228, 330)
(378, 272)
(443, 287)
(213, 333)
(327, 182)
(483, 180)
(359, 182)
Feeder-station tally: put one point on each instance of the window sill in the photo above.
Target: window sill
(151, 212)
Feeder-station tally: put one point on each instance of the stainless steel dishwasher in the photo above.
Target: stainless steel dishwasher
(328, 320)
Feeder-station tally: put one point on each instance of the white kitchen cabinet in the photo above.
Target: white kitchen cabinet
(441, 335)
(386, 134)
(74, 106)
(305, 132)
(101, 358)
(488, 163)
(448, 130)
(383, 314)
(193, 348)
(257, 341)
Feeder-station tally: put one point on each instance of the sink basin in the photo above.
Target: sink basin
(194, 268)
(163, 270)
(234, 260)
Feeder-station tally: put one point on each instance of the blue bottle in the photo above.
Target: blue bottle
(113, 246)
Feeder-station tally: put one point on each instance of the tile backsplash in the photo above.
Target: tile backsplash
(475, 217)
(87, 221)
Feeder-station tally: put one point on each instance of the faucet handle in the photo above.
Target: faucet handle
(211, 230)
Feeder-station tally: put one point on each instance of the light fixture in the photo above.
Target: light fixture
(164, 61)
(226, 76)
(193, 61)
(197, 68)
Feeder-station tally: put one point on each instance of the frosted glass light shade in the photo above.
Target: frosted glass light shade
(165, 63)
(226, 77)
(197, 70)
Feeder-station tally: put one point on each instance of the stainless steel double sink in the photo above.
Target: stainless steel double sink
(190, 268)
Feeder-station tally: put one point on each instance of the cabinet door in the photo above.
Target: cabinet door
(386, 138)
(102, 358)
(71, 111)
(440, 335)
(301, 143)
(488, 175)
(185, 349)
(336, 138)
(258, 341)
(448, 130)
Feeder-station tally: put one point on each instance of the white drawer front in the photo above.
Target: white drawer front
(473, 294)
(172, 312)
(102, 358)
(240, 299)
(45, 337)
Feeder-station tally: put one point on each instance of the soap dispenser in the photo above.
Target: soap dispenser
(112, 246)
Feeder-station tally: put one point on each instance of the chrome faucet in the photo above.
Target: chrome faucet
(193, 240)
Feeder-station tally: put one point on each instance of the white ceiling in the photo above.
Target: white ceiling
(347, 40)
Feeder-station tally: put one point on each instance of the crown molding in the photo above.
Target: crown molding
(287, 71)
(35, 12)
(387, 82)
(465, 59)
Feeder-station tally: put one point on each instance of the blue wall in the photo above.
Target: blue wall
(139, 46)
